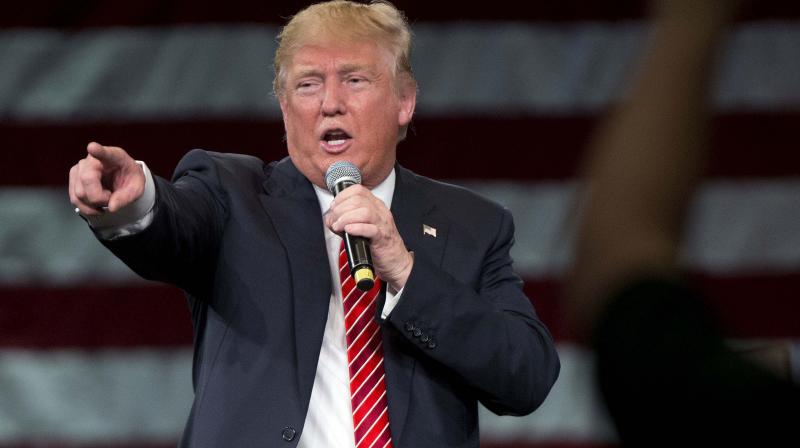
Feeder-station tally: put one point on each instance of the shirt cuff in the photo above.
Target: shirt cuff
(391, 301)
(132, 218)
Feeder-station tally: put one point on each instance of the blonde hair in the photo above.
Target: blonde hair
(377, 21)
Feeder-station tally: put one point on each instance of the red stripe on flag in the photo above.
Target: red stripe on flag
(749, 306)
(94, 317)
(71, 14)
(756, 305)
(526, 148)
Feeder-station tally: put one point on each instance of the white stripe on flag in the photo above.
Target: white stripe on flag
(83, 397)
(144, 396)
(734, 227)
(496, 68)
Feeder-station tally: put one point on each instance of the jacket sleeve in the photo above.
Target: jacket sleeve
(489, 336)
(179, 245)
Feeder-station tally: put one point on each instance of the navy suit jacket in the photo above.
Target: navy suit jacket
(245, 241)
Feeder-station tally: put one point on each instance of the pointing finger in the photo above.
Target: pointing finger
(107, 155)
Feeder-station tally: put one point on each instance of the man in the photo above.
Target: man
(665, 372)
(256, 248)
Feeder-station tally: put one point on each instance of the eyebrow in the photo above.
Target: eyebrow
(343, 70)
(350, 68)
(308, 72)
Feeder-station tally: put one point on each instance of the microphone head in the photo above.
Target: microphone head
(339, 171)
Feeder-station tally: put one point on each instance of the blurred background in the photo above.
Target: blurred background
(91, 356)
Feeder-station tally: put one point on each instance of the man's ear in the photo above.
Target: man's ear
(408, 100)
(281, 97)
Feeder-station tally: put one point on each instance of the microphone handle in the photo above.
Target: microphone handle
(359, 257)
(360, 261)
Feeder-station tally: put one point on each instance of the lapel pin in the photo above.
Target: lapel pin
(428, 230)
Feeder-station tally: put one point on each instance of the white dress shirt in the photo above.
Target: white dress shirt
(329, 422)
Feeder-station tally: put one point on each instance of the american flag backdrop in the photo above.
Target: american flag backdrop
(92, 356)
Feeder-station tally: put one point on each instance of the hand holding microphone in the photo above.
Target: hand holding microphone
(341, 175)
(373, 244)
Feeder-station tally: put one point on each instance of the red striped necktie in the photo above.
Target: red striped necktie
(365, 358)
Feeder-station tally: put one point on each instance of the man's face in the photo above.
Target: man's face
(340, 101)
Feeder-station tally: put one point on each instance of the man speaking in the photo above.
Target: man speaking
(289, 350)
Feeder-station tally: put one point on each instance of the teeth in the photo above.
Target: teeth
(336, 142)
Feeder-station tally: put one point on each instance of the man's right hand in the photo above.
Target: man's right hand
(107, 179)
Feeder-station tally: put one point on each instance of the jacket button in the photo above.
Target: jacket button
(417, 332)
(288, 433)
(425, 338)
(410, 326)
(432, 344)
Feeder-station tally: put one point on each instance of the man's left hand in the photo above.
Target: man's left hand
(360, 213)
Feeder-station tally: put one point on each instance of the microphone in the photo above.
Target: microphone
(339, 176)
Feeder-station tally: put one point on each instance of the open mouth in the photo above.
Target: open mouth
(335, 137)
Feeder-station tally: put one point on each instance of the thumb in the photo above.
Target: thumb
(125, 195)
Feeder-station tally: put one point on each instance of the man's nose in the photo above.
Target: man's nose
(333, 99)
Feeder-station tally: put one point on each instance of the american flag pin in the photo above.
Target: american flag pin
(428, 230)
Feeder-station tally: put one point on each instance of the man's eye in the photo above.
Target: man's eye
(306, 86)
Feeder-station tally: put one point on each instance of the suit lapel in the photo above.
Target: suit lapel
(293, 208)
(411, 209)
